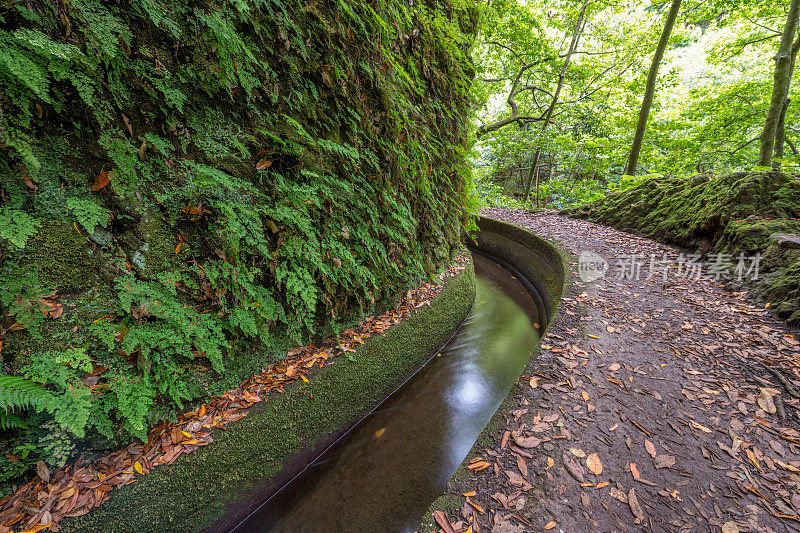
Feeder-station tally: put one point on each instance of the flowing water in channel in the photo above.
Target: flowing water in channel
(388, 470)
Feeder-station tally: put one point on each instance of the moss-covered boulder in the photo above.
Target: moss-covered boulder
(741, 213)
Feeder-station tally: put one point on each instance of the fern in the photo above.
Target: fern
(89, 213)
(17, 226)
(11, 421)
(20, 393)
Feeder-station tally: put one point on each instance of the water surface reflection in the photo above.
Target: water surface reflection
(386, 473)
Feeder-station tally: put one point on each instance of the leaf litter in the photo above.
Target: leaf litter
(667, 389)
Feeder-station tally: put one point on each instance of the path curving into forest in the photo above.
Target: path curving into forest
(648, 408)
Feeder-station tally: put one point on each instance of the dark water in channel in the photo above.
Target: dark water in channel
(388, 470)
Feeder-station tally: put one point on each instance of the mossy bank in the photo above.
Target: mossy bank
(742, 213)
(192, 493)
(197, 185)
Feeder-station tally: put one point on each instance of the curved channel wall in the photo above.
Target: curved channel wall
(217, 486)
(539, 264)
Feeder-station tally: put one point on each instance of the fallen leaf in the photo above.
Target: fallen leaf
(577, 452)
(101, 181)
(523, 467)
(618, 494)
(443, 522)
(651, 449)
(138, 467)
(550, 525)
(665, 461)
(635, 471)
(730, 527)
(595, 464)
(699, 426)
(765, 401)
(263, 164)
(526, 442)
(636, 509)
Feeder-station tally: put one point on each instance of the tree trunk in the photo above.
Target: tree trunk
(650, 89)
(784, 64)
(780, 134)
(576, 33)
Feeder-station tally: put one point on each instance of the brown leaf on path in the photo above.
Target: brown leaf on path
(665, 461)
(651, 449)
(634, 470)
(636, 509)
(443, 522)
(550, 525)
(777, 447)
(523, 467)
(526, 442)
(618, 494)
(699, 426)
(766, 402)
(574, 470)
(586, 501)
(502, 498)
(514, 478)
(475, 506)
(595, 464)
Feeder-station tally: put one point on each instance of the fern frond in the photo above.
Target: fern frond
(11, 421)
(20, 393)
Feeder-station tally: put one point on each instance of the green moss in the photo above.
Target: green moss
(191, 493)
(285, 146)
(157, 251)
(62, 258)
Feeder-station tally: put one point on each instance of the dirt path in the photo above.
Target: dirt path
(657, 383)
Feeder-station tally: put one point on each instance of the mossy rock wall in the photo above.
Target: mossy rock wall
(741, 213)
(218, 486)
(203, 184)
